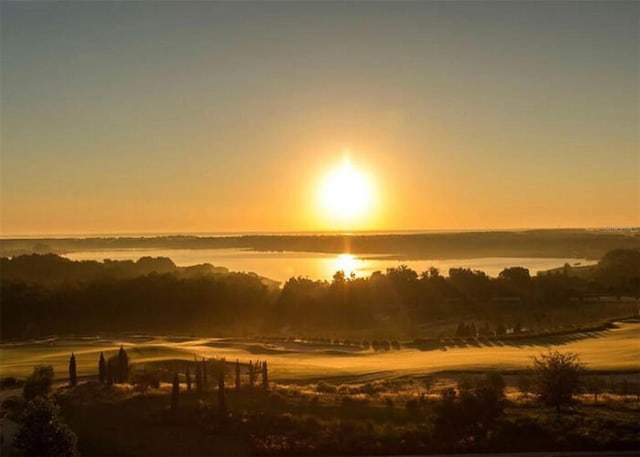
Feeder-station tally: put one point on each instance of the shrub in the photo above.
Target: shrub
(369, 388)
(13, 406)
(326, 387)
(42, 431)
(412, 405)
(475, 408)
(524, 383)
(144, 380)
(8, 382)
(389, 402)
(557, 377)
(594, 385)
(39, 383)
(465, 383)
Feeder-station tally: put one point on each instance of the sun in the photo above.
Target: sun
(346, 195)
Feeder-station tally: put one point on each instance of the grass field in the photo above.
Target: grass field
(372, 402)
(616, 349)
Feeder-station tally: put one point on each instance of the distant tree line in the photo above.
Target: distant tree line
(583, 243)
(395, 302)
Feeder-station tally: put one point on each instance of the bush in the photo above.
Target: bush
(412, 405)
(473, 410)
(8, 382)
(39, 383)
(42, 431)
(466, 383)
(326, 387)
(524, 383)
(489, 397)
(13, 406)
(369, 388)
(352, 402)
(557, 377)
(276, 400)
(144, 380)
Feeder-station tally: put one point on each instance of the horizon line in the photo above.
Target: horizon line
(240, 233)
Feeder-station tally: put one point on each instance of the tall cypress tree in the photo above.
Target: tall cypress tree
(222, 404)
(73, 376)
(175, 392)
(237, 375)
(187, 378)
(110, 371)
(252, 374)
(123, 365)
(204, 374)
(198, 378)
(265, 376)
(102, 369)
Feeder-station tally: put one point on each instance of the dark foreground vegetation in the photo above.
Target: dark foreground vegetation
(230, 408)
(47, 294)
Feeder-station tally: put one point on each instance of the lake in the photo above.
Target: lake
(281, 266)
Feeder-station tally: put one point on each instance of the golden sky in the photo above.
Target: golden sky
(153, 117)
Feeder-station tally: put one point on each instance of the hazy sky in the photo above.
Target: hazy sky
(212, 116)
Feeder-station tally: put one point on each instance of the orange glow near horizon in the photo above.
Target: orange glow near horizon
(236, 121)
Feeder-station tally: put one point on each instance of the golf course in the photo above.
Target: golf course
(611, 349)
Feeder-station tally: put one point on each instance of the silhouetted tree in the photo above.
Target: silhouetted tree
(73, 375)
(557, 376)
(187, 378)
(344, 305)
(518, 276)
(462, 330)
(123, 366)
(252, 374)
(204, 374)
(102, 369)
(237, 375)
(43, 433)
(175, 392)
(265, 376)
(222, 405)
(472, 332)
(198, 377)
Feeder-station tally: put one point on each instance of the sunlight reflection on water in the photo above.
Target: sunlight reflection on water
(281, 266)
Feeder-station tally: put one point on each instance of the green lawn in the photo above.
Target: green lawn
(616, 349)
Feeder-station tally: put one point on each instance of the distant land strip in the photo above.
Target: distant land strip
(569, 243)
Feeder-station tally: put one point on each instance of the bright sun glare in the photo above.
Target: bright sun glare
(347, 263)
(346, 194)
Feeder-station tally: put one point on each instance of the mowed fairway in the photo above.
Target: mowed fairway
(616, 349)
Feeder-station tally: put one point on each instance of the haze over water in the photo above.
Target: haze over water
(281, 266)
